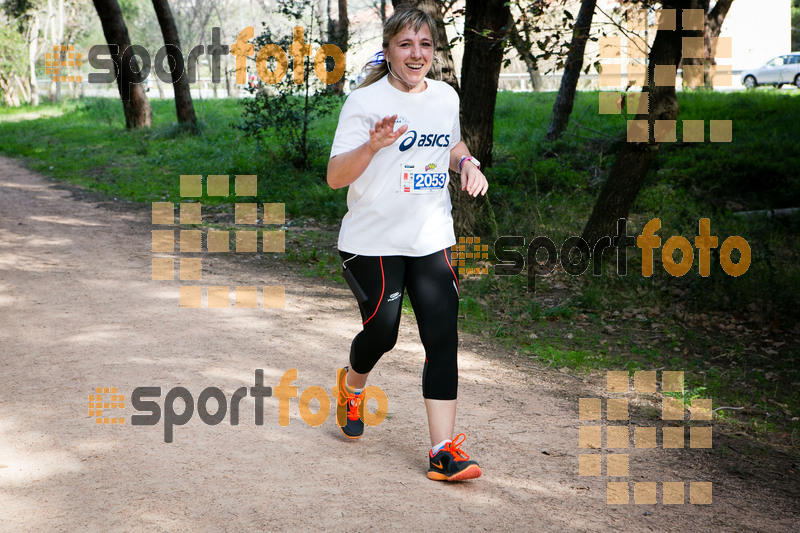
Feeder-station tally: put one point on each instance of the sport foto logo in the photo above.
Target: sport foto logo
(284, 391)
(241, 49)
(575, 253)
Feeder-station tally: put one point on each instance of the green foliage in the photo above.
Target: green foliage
(285, 111)
(286, 117)
(89, 145)
(17, 9)
(132, 9)
(13, 52)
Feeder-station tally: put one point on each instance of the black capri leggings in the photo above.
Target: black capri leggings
(433, 290)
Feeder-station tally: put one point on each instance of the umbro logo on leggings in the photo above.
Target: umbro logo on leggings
(394, 296)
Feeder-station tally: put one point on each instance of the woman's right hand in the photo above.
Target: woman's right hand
(384, 135)
(345, 168)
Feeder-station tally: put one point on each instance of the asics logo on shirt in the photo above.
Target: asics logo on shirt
(425, 139)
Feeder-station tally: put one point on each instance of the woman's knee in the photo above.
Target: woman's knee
(376, 340)
(384, 341)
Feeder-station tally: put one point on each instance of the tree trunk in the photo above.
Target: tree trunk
(562, 109)
(129, 82)
(486, 25)
(338, 34)
(59, 38)
(698, 4)
(24, 88)
(630, 168)
(711, 30)
(230, 80)
(714, 22)
(183, 98)
(160, 88)
(523, 49)
(52, 36)
(717, 16)
(485, 31)
(7, 88)
(445, 63)
(33, 44)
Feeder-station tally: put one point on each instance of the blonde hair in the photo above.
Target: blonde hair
(402, 17)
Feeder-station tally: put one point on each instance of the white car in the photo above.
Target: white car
(777, 71)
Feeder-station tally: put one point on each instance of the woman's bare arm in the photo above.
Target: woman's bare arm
(345, 168)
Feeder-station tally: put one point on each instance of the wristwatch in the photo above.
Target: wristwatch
(468, 158)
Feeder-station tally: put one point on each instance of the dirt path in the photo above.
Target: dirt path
(78, 310)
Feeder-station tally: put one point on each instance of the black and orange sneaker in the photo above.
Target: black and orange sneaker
(452, 464)
(348, 408)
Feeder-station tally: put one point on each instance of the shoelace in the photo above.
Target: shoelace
(454, 447)
(352, 408)
(352, 401)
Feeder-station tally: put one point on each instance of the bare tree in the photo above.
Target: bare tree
(42, 24)
(562, 108)
(56, 36)
(717, 16)
(338, 34)
(225, 20)
(129, 80)
(12, 64)
(486, 28)
(33, 44)
(183, 97)
(192, 18)
(521, 36)
(712, 26)
(23, 18)
(381, 8)
(631, 165)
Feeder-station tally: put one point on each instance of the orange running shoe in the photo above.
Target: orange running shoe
(348, 408)
(452, 464)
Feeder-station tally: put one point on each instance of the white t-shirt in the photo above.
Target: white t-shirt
(400, 205)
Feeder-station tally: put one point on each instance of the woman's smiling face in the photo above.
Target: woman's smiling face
(410, 55)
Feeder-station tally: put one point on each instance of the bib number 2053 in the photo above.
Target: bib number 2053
(423, 179)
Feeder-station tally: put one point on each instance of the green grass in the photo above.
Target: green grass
(537, 188)
(89, 146)
(45, 108)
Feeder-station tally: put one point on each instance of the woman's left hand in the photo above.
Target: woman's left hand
(472, 180)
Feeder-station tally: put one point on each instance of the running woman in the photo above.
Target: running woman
(398, 230)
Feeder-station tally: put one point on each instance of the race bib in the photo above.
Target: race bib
(423, 178)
